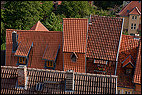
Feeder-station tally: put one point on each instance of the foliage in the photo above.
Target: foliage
(22, 14)
(75, 9)
(3, 46)
(53, 23)
(3, 33)
(125, 32)
(107, 4)
(47, 8)
(102, 12)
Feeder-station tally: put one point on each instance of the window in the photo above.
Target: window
(73, 57)
(135, 17)
(49, 64)
(132, 17)
(134, 26)
(22, 60)
(128, 71)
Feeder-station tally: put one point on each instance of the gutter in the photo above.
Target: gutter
(63, 42)
(119, 47)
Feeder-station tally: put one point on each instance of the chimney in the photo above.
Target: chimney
(70, 80)
(22, 75)
(14, 40)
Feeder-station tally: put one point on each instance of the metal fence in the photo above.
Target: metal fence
(40, 81)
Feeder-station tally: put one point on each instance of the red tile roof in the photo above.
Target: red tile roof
(74, 34)
(137, 74)
(40, 40)
(103, 37)
(39, 27)
(135, 11)
(51, 51)
(128, 46)
(23, 48)
(129, 7)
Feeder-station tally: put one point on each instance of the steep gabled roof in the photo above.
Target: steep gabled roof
(137, 74)
(129, 7)
(39, 27)
(128, 50)
(75, 34)
(135, 11)
(103, 37)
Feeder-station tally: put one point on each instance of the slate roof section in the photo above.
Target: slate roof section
(103, 37)
(39, 27)
(51, 51)
(24, 48)
(75, 34)
(128, 46)
(137, 74)
(129, 7)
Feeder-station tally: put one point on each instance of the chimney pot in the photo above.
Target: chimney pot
(70, 80)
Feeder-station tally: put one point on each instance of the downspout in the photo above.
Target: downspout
(86, 46)
(63, 43)
(119, 47)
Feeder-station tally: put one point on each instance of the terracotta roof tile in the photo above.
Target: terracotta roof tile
(129, 7)
(103, 37)
(51, 51)
(74, 32)
(128, 47)
(39, 27)
(137, 74)
(23, 48)
(40, 40)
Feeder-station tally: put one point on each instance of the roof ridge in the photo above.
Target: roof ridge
(107, 17)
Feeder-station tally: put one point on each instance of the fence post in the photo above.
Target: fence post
(22, 75)
(70, 80)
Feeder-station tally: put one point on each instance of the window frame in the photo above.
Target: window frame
(23, 60)
(133, 17)
(48, 64)
(131, 26)
(134, 26)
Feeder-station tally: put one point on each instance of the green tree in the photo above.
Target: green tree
(77, 9)
(107, 4)
(47, 8)
(54, 23)
(22, 14)
(2, 28)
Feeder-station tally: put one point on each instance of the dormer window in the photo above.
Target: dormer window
(128, 71)
(22, 60)
(74, 57)
(49, 64)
